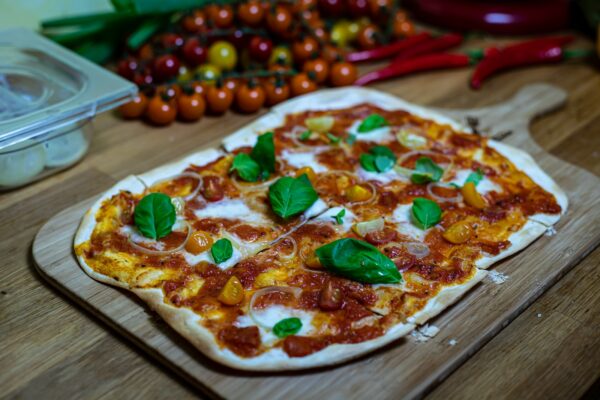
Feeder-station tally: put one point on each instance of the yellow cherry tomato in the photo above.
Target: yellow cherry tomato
(458, 232)
(313, 262)
(358, 193)
(281, 55)
(472, 196)
(232, 293)
(310, 173)
(199, 242)
(340, 33)
(208, 73)
(223, 55)
(353, 28)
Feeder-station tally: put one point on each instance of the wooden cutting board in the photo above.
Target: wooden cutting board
(406, 368)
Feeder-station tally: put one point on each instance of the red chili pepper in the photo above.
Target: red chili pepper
(387, 51)
(426, 62)
(433, 45)
(541, 55)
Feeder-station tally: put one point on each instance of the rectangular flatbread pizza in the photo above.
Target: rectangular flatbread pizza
(330, 227)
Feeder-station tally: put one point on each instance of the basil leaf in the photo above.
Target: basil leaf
(334, 139)
(372, 122)
(246, 167)
(474, 177)
(154, 215)
(287, 327)
(291, 196)
(339, 217)
(359, 261)
(221, 250)
(426, 171)
(264, 154)
(305, 135)
(379, 159)
(351, 139)
(426, 213)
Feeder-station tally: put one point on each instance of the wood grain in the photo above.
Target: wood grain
(411, 368)
(51, 348)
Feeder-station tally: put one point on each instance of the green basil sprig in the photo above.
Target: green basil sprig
(287, 327)
(339, 217)
(475, 177)
(334, 139)
(221, 250)
(378, 159)
(260, 162)
(426, 171)
(291, 196)
(154, 215)
(359, 261)
(371, 123)
(426, 213)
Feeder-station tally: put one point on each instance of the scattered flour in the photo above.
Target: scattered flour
(452, 342)
(424, 333)
(550, 231)
(497, 277)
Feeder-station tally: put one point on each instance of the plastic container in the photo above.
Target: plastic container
(48, 98)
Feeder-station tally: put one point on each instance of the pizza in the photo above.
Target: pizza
(330, 227)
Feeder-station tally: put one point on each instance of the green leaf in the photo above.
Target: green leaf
(287, 327)
(291, 196)
(426, 213)
(339, 217)
(379, 159)
(334, 139)
(351, 139)
(145, 31)
(154, 215)
(221, 250)
(246, 167)
(264, 154)
(305, 135)
(426, 171)
(96, 51)
(359, 261)
(474, 177)
(371, 123)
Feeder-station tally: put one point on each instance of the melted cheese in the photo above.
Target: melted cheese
(272, 315)
(483, 187)
(230, 209)
(329, 216)
(379, 135)
(302, 159)
(403, 218)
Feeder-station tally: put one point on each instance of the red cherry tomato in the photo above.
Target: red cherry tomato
(276, 92)
(332, 7)
(170, 41)
(238, 38)
(379, 8)
(135, 108)
(358, 8)
(279, 20)
(193, 52)
(190, 107)
(218, 99)
(127, 68)
(221, 16)
(302, 5)
(343, 74)
(304, 49)
(319, 67)
(251, 13)
(146, 52)
(143, 78)
(232, 84)
(194, 22)
(260, 48)
(402, 27)
(166, 67)
(368, 37)
(301, 84)
(331, 53)
(250, 97)
(160, 111)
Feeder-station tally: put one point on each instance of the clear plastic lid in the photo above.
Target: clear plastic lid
(44, 87)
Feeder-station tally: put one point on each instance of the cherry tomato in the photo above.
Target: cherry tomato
(319, 67)
(343, 74)
(279, 20)
(260, 48)
(279, 67)
(320, 32)
(276, 92)
(170, 41)
(238, 38)
(358, 8)
(161, 111)
(143, 78)
(301, 84)
(331, 7)
(379, 8)
(221, 16)
(304, 49)
(146, 52)
(170, 91)
(402, 27)
(218, 99)
(223, 55)
(251, 13)
(232, 84)
(208, 73)
(340, 33)
(331, 53)
(135, 108)
(368, 37)
(303, 5)
(199, 88)
(166, 67)
(127, 68)
(193, 52)
(281, 55)
(250, 97)
(194, 22)
(190, 107)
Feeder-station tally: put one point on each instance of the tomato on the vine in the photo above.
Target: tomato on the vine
(340, 33)
(135, 108)
(279, 20)
(301, 84)
(304, 48)
(332, 7)
(161, 110)
(146, 52)
(302, 5)
(251, 13)
(276, 91)
(223, 55)
(260, 48)
(143, 78)
(170, 41)
(232, 84)
(368, 36)
(238, 38)
(379, 8)
(402, 26)
(221, 16)
(199, 88)
(127, 67)
(250, 97)
(319, 67)
(343, 73)
(193, 52)
(194, 22)
(208, 73)
(218, 98)
(281, 55)
(358, 8)
(331, 53)
(166, 67)
(190, 107)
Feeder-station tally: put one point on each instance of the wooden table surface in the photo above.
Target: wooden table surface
(50, 348)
